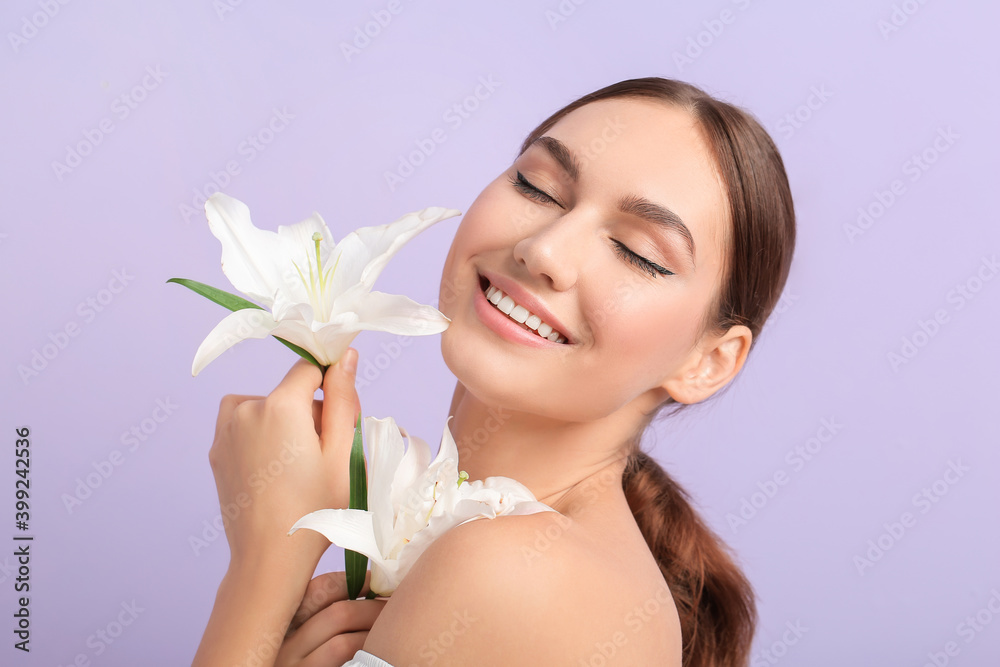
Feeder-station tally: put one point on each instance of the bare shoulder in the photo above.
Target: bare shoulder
(523, 590)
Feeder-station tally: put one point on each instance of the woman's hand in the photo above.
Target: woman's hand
(276, 459)
(328, 628)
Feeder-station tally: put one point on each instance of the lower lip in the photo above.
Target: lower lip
(505, 327)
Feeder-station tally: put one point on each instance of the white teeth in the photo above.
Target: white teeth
(521, 315)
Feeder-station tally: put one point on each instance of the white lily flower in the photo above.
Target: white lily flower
(319, 292)
(412, 501)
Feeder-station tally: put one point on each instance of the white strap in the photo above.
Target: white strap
(365, 659)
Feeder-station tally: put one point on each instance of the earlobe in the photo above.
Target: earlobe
(712, 366)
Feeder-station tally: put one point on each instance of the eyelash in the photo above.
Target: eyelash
(623, 251)
(638, 260)
(522, 184)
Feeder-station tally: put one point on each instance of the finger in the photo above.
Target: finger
(323, 591)
(341, 617)
(337, 651)
(301, 381)
(226, 407)
(317, 415)
(340, 404)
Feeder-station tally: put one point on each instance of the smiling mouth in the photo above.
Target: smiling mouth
(519, 314)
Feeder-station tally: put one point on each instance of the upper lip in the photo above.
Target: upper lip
(528, 300)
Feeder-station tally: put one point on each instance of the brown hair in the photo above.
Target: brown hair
(714, 599)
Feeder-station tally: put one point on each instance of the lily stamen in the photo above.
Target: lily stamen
(317, 282)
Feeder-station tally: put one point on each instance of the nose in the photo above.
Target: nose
(553, 251)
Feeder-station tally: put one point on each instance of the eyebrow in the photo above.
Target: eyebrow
(661, 216)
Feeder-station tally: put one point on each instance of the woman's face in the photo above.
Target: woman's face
(560, 245)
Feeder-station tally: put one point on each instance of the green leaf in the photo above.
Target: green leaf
(355, 564)
(302, 353)
(230, 301)
(234, 303)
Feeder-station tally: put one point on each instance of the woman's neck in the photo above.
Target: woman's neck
(570, 466)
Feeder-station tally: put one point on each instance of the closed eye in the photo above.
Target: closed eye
(522, 184)
(652, 268)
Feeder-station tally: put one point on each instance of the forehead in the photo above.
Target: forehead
(651, 149)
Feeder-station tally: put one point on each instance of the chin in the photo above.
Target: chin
(466, 364)
(497, 384)
(485, 380)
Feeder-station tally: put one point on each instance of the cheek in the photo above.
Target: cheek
(648, 336)
(473, 233)
(500, 217)
(492, 224)
(456, 275)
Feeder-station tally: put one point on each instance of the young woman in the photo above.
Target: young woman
(639, 242)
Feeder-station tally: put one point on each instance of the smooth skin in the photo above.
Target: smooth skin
(267, 584)
(550, 588)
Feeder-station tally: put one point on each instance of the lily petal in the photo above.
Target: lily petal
(296, 311)
(332, 341)
(510, 487)
(392, 313)
(448, 447)
(367, 250)
(386, 453)
(246, 251)
(415, 460)
(319, 309)
(387, 574)
(424, 501)
(238, 325)
(297, 239)
(438, 525)
(300, 334)
(348, 529)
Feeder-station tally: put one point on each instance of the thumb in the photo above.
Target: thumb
(341, 404)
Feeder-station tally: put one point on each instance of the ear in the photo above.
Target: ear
(712, 364)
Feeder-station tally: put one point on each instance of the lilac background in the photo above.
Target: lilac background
(848, 304)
